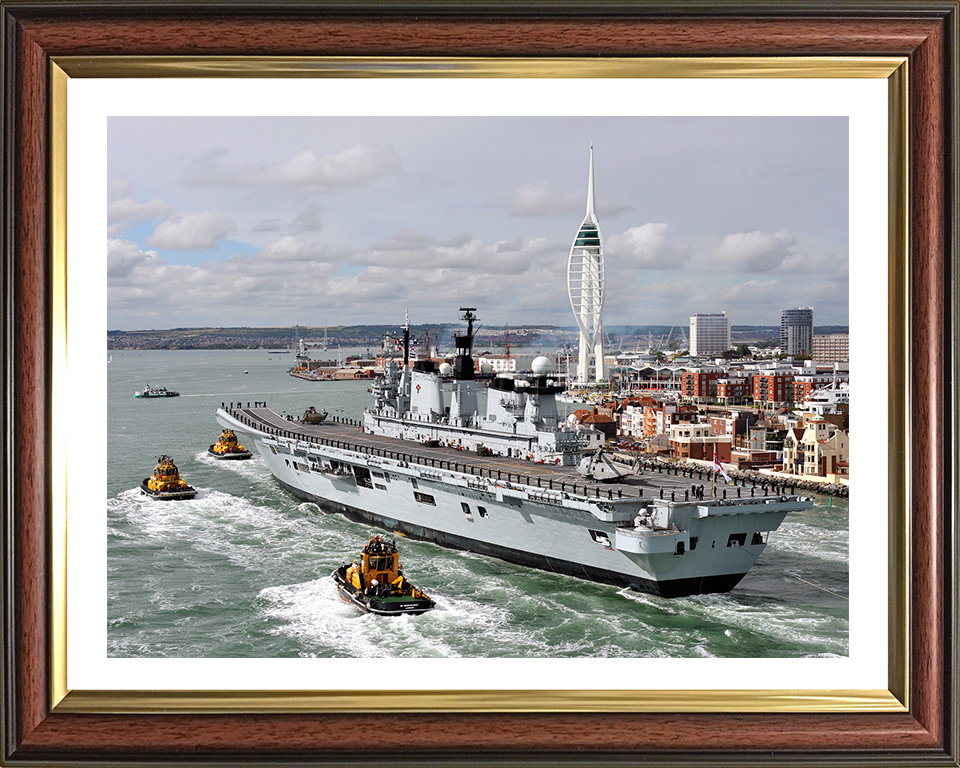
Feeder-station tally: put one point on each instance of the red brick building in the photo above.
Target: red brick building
(734, 389)
(700, 384)
(772, 388)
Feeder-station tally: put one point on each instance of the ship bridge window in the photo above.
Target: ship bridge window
(737, 540)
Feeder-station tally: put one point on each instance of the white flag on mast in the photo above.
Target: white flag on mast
(718, 468)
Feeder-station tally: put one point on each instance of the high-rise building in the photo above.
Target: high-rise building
(585, 284)
(796, 331)
(709, 334)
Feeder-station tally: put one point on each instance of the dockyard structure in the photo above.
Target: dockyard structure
(585, 285)
(710, 334)
(796, 331)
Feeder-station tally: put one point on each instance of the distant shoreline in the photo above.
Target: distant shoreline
(275, 339)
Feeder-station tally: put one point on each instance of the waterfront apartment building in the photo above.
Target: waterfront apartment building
(831, 347)
(773, 389)
(700, 384)
(709, 334)
(733, 390)
(796, 331)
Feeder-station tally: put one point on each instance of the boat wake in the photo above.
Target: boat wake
(254, 468)
(733, 621)
(248, 535)
(810, 541)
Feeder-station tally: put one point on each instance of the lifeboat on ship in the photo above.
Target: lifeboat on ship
(376, 583)
(228, 447)
(166, 484)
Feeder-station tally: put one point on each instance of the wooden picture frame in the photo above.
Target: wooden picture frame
(41, 727)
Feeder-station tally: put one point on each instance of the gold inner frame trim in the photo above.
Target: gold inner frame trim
(513, 701)
(893, 69)
(307, 66)
(59, 391)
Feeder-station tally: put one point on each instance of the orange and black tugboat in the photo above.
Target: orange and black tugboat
(165, 483)
(228, 447)
(377, 584)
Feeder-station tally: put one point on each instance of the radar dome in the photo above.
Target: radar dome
(541, 366)
(485, 367)
(445, 369)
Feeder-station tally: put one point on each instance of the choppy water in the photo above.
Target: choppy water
(243, 570)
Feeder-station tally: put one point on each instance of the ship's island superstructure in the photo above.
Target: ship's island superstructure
(520, 420)
(506, 483)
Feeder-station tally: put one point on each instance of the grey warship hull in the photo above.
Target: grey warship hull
(641, 532)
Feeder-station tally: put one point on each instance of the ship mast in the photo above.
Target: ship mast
(463, 365)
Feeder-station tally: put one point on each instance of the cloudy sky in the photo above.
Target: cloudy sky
(336, 220)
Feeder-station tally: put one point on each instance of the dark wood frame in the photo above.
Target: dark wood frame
(924, 32)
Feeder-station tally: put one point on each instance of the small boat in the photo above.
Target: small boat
(246, 371)
(377, 585)
(165, 483)
(149, 391)
(228, 447)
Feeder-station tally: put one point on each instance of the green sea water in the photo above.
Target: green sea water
(243, 570)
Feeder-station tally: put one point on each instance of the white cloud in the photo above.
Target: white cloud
(290, 248)
(308, 169)
(200, 231)
(118, 187)
(127, 209)
(141, 284)
(269, 225)
(648, 246)
(310, 219)
(359, 164)
(123, 257)
(752, 252)
(461, 253)
(753, 293)
(537, 200)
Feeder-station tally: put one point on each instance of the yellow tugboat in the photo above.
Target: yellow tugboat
(228, 447)
(377, 585)
(165, 483)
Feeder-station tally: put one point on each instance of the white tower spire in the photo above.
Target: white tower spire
(591, 199)
(585, 284)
